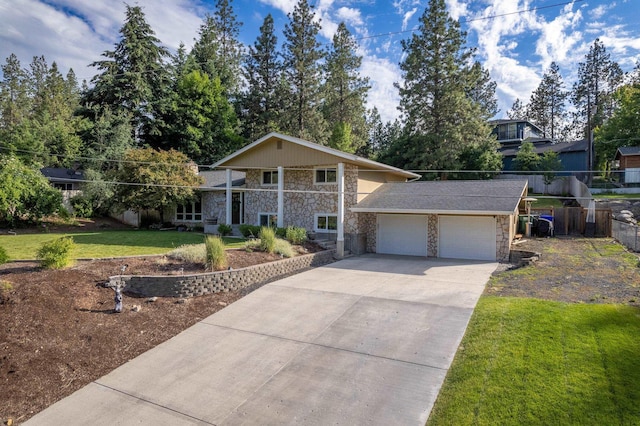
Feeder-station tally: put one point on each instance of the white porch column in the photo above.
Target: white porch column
(340, 237)
(280, 223)
(229, 198)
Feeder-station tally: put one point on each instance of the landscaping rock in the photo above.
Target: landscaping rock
(152, 299)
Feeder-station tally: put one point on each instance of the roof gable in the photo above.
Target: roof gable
(627, 150)
(276, 149)
(489, 197)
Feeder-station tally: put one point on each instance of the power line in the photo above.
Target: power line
(483, 18)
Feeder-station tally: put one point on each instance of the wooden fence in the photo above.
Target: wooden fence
(573, 220)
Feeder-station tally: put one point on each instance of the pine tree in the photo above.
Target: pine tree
(15, 102)
(482, 90)
(547, 104)
(303, 75)
(518, 111)
(217, 50)
(132, 76)
(262, 101)
(440, 114)
(598, 78)
(345, 90)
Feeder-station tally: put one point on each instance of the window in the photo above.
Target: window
(326, 176)
(268, 219)
(326, 223)
(191, 212)
(63, 186)
(270, 177)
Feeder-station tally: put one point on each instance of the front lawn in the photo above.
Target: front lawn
(530, 361)
(108, 243)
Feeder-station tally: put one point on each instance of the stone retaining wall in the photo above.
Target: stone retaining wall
(215, 282)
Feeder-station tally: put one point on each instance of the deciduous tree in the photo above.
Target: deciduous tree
(150, 179)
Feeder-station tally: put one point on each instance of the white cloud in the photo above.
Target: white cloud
(285, 6)
(350, 16)
(457, 9)
(407, 16)
(383, 95)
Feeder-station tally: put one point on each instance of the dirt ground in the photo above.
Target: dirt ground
(575, 270)
(58, 331)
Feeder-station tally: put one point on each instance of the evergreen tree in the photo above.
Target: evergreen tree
(303, 75)
(598, 78)
(199, 122)
(262, 102)
(15, 102)
(217, 50)
(526, 159)
(482, 90)
(132, 77)
(547, 104)
(345, 91)
(518, 111)
(440, 114)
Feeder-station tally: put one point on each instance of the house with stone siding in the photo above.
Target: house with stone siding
(366, 206)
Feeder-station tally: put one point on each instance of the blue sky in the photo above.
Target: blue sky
(516, 40)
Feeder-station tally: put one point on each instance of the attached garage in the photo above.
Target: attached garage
(467, 237)
(402, 234)
(449, 219)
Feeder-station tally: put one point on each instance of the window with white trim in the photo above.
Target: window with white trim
(268, 219)
(269, 177)
(325, 175)
(190, 212)
(326, 222)
(63, 186)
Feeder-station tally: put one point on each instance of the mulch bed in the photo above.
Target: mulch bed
(58, 331)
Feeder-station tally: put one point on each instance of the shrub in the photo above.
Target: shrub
(224, 229)
(194, 253)
(249, 231)
(56, 254)
(284, 248)
(216, 254)
(267, 239)
(281, 232)
(82, 206)
(5, 289)
(4, 257)
(296, 235)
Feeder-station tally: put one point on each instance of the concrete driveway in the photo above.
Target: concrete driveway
(367, 340)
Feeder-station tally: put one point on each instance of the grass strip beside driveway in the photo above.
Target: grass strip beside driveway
(529, 361)
(108, 243)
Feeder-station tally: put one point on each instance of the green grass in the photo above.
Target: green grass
(108, 243)
(528, 361)
(616, 196)
(545, 203)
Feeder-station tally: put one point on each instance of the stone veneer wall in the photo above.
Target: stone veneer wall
(503, 238)
(432, 235)
(215, 282)
(300, 207)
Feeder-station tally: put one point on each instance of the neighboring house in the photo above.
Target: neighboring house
(363, 204)
(574, 156)
(627, 161)
(66, 180)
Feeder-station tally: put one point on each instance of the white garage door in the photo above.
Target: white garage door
(467, 237)
(402, 234)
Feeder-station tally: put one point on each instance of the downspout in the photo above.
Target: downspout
(340, 237)
(280, 217)
(229, 198)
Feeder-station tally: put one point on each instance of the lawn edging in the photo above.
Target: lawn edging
(221, 281)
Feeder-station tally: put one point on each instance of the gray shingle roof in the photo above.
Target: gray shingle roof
(456, 197)
(629, 150)
(62, 174)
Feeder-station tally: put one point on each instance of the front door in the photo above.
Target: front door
(237, 208)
